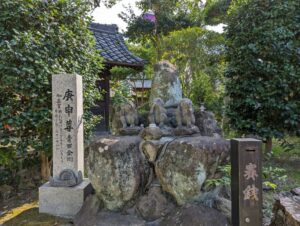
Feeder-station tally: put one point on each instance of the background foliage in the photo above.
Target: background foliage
(120, 76)
(170, 15)
(38, 39)
(263, 67)
(199, 56)
(215, 11)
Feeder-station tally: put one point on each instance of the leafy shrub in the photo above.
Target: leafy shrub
(38, 39)
(271, 176)
(223, 180)
(263, 79)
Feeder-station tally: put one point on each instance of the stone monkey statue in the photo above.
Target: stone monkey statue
(128, 114)
(157, 114)
(185, 113)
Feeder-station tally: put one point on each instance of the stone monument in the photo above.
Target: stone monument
(65, 192)
(166, 84)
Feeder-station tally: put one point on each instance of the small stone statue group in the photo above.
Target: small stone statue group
(158, 117)
(184, 113)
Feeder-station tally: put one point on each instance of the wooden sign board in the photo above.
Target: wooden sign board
(246, 182)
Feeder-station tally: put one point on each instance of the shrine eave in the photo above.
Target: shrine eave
(112, 47)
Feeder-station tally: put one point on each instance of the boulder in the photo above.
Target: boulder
(207, 124)
(117, 169)
(151, 133)
(185, 163)
(91, 214)
(152, 148)
(130, 131)
(154, 205)
(219, 199)
(184, 130)
(224, 206)
(194, 215)
(166, 84)
(286, 210)
(88, 211)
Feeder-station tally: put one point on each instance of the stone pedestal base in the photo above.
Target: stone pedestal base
(63, 201)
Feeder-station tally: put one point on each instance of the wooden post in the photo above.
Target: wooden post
(246, 182)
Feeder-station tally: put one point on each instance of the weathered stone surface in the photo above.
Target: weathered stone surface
(296, 191)
(67, 107)
(157, 113)
(219, 199)
(167, 131)
(89, 210)
(185, 118)
(154, 204)
(184, 165)
(91, 215)
(125, 119)
(113, 219)
(152, 148)
(68, 155)
(117, 169)
(185, 113)
(130, 131)
(194, 215)
(183, 130)
(166, 84)
(224, 206)
(63, 201)
(207, 124)
(151, 133)
(286, 210)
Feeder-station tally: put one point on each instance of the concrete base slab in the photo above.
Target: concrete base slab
(63, 201)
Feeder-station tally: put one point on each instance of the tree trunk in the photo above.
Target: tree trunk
(268, 145)
(45, 166)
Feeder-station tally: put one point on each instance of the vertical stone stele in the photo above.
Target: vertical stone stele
(67, 190)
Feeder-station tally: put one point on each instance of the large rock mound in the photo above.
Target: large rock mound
(287, 209)
(91, 214)
(117, 170)
(154, 205)
(185, 163)
(194, 215)
(207, 124)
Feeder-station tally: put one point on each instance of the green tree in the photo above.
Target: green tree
(38, 39)
(215, 11)
(170, 15)
(263, 67)
(199, 56)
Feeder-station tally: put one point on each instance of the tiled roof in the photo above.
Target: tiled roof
(112, 46)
